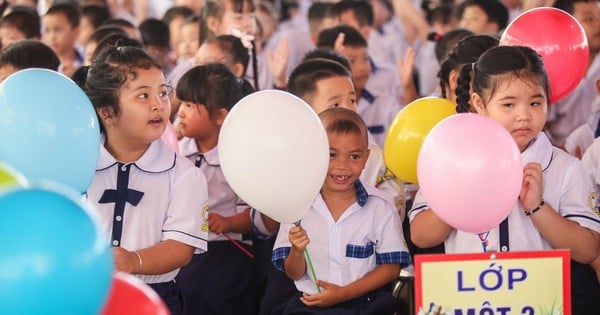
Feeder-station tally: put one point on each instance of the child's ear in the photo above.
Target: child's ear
(477, 103)
(106, 114)
(221, 114)
(212, 23)
(238, 70)
(453, 79)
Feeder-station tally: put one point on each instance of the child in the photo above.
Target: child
(220, 281)
(21, 23)
(155, 37)
(150, 200)
(355, 243)
(510, 85)
(26, 54)
(60, 30)
(233, 17)
(174, 18)
(377, 106)
(189, 41)
(92, 16)
(466, 51)
(483, 16)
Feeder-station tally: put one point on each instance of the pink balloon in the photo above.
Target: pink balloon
(559, 39)
(170, 138)
(470, 172)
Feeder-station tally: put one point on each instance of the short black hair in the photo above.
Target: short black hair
(96, 14)
(569, 5)
(70, 10)
(353, 38)
(363, 11)
(154, 32)
(24, 19)
(29, 54)
(495, 10)
(303, 79)
(327, 53)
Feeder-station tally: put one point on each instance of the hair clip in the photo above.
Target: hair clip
(246, 39)
(473, 66)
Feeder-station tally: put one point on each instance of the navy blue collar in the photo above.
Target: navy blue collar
(361, 193)
(367, 96)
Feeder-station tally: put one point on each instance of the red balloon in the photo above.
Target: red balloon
(129, 295)
(559, 39)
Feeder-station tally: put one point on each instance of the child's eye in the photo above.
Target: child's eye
(509, 105)
(163, 94)
(143, 96)
(535, 104)
(352, 101)
(335, 105)
(331, 155)
(355, 156)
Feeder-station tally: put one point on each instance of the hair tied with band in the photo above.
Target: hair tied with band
(246, 39)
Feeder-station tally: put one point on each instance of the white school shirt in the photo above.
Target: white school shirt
(572, 111)
(590, 161)
(387, 44)
(368, 233)
(583, 136)
(567, 189)
(171, 207)
(222, 199)
(384, 81)
(378, 111)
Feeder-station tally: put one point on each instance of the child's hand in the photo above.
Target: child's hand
(531, 190)
(218, 224)
(298, 238)
(331, 295)
(125, 260)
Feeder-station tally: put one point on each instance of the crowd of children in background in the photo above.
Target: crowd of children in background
(176, 223)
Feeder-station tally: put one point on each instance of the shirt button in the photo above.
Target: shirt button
(118, 218)
(124, 168)
(504, 248)
(116, 243)
(336, 229)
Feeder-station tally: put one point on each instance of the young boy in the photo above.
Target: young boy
(60, 31)
(21, 23)
(352, 232)
(483, 17)
(376, 95)
(26, 54)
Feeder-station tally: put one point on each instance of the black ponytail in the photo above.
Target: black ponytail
(463, 89)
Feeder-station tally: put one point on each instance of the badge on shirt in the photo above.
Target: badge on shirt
(205, 218)
(594, 202)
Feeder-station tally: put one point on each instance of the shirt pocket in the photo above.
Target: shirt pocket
(360, 251)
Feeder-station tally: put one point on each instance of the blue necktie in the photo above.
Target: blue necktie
(120, 197)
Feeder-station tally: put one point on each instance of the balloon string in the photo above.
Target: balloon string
(312, 269)
(238, 245)
(310, 264)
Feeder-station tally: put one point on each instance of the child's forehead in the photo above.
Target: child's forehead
(347, 140)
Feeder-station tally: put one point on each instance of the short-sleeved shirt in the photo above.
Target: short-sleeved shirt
(571, 112)
(159, 197)
(568, 189)
(378, 111)
(222, 199)
(368, 233)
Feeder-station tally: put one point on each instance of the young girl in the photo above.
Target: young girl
(466, 51)
(150, 199)
(232, 17)
(510, 85)
(227, 50)
(220, 281)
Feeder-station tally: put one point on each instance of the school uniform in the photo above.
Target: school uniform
(378, 111)
(585, 134)
(567, 188)
(427, 68)
(148, 201)
(387, 44)
(384, 81)
(220, 281)
(368, 234)
(570, 112)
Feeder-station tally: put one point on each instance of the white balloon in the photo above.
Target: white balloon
(274, 153)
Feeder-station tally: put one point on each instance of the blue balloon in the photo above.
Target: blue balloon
(49, 128)
(54, 257)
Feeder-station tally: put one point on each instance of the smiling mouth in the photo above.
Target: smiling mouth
(156, 121)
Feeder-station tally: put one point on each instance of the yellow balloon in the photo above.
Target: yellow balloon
(10, 177)
(407, 132)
